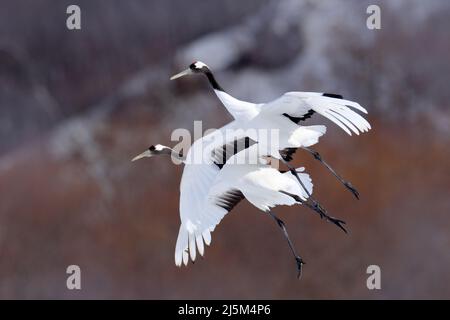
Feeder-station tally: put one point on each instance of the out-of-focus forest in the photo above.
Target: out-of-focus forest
(76, 106)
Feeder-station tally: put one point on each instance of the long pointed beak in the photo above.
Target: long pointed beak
(144, 154)
(181, 74)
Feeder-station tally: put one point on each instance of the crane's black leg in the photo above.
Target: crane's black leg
(315, 206)
(347, 184)
(323, 214)
(295, 174)
(298, 259)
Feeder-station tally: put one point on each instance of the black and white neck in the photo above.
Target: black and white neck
(213, 81)
(237, 108)
(200, 67)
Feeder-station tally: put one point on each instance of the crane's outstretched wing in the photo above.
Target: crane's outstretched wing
(198, 216)
(195, 184)
(298, 106)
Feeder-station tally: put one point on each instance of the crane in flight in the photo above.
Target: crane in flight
(295, 108)
(211, 188)
(245, 174)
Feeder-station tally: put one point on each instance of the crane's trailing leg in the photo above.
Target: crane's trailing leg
(319, 209)
(315, 205)
(295, 174)
(323, 214)
(298, 259)
(347, 184)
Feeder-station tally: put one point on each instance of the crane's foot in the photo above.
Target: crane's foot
(323, 215)
(337, 222)
(352, 189)
(300, 264)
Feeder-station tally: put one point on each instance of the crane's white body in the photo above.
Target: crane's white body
(259, 183)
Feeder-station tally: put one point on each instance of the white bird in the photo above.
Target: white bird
(221, 187)
(199, 176)
(287, 111)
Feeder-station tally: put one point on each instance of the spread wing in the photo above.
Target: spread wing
(199, 216)
(299, 106)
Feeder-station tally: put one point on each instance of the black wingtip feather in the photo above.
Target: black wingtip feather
(333, 95)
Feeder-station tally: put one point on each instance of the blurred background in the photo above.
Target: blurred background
(76, 106)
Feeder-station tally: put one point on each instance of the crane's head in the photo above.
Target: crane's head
(195, 67)
(153, 151)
